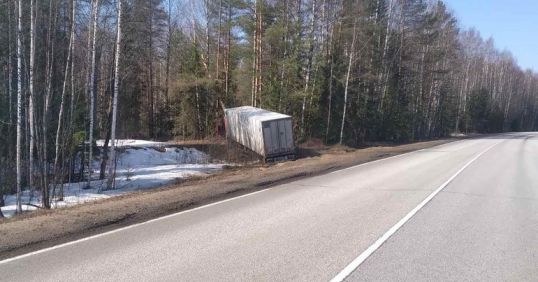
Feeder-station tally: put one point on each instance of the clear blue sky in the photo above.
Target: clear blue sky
(513, 25)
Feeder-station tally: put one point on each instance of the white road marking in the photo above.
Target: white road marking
(368, 252)
(397, 156)
(179, 213)
(376, 161)
(126, 227)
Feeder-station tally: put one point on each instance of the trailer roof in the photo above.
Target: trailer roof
(257, 113)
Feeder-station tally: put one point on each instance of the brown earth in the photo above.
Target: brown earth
(45, 228)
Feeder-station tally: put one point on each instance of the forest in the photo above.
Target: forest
(347, 71)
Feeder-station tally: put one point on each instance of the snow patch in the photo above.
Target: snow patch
(151, 157)
(140, 165)
(132, 143)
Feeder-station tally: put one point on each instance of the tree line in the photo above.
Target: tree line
(349, 72)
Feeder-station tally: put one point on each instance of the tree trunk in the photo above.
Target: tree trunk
(217, 74)
(228, 44)
(47, 101)
(71, 111)
(168, 49)
(91, 87)
(31, 118)
(197, 95)
(350, 62)
(461, 106)
(19, 106)
(10, 66)
(308, 73)
(62, 102)
(384, 76)
(259, 60)
(151, 96)
(104, 150)
(255, 57)
(207, 40)
(284, 57)
(111, 166)
(331, 67)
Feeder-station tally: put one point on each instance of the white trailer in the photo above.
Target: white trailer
(268, 134)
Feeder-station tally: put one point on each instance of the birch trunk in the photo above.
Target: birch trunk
(285, 56)
(350, 62)
(168, 50)
(228, 49)
(508, 103)
(31, 118)
(62, 102)
(91, 87)
(9, 66)
(385, 73)
(71, 110)
(308, 66)
(217, 74)
(111, 166)
(329, 109)
(207, 39)
(331, 78)
(19, 106)
(254, 58)
(197, 95)
(460, 100)
(151, 95)
(47, 99)
(259, 83)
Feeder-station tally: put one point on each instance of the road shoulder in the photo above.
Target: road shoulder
(47, 228)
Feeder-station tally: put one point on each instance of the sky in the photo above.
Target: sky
(513, 25)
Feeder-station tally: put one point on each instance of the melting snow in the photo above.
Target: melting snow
(133, 143)
(140, 165)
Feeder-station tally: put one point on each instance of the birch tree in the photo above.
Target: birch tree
(309, 60)
(351, 52)
(31, 118)
(58, 144)
(91, 87)
(48, 93)
(19, 106)
(117, 58)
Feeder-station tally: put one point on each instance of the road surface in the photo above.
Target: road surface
(466, 210)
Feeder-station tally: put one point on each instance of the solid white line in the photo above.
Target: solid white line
(378, 160)
(127, 227)
(368, 252)
(172, 215)
(397, 156)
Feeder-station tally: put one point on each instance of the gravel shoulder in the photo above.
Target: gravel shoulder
(43, 228)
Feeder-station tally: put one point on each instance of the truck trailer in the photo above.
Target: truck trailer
(267, 133)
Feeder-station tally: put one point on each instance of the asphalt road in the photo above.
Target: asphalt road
(463, 211)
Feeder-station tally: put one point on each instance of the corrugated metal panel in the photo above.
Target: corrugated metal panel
(275, 147)
(289, 134)
(282, 134)
(266, 133)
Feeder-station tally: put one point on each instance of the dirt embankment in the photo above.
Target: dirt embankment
(45, 228)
